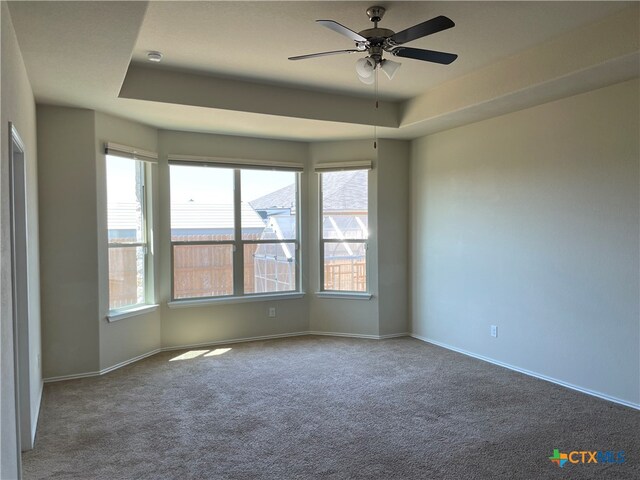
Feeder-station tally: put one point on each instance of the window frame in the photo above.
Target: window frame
(238, 243)
(322, 241)
(144, 169)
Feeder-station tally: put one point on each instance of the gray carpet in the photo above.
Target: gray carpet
(329, 408)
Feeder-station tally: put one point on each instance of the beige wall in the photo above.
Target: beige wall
(68, 239)
(530, 222)
(393, 235)
(78, 339)
(18, 107)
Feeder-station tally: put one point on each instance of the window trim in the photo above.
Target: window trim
(124, 151)
(259, 297)
(235, 163)
(322, 292)
(144, 167)
(349, 295)
(121, 314)
(238, 295)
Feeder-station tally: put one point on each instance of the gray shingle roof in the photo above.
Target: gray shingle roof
(345, 191)
(341, 191)
(279, 199)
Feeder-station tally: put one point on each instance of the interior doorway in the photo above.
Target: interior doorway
(20, 285)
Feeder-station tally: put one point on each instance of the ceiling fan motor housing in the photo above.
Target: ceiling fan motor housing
(376, 35)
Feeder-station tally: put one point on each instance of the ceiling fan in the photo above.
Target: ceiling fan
(375, 41)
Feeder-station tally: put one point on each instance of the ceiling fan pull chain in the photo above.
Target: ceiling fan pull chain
(375, 118)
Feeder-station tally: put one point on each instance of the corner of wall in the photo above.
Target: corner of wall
(393, 239)
(68, 240)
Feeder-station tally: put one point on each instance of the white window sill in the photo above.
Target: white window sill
(345, 295)
(115, 315)
(203, 302)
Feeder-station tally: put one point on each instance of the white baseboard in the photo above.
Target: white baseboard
(562, 383)
(214, 343)
(73, 376)
(234, 340)
(103, 371)
(127, 362)
(357, 335)
(394, 335)
(342, 334)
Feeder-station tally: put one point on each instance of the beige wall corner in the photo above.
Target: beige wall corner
(68, 239)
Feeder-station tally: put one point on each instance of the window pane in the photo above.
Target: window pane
(124, 200)
(345, 205)
(202, 270)
(269, 267)
(351, 226)
(201, 203)
(345, 266)
(268, 205)
(126, 276)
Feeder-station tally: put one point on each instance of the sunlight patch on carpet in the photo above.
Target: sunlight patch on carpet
(189, 355)
(217, 351)
(199, 353)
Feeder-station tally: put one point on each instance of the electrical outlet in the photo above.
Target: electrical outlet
(494, 330)
(272, 312)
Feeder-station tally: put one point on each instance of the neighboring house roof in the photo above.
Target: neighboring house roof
(280, 227)
(123, 216)
(342, 191)
(345, 191)
(189, 215)
(281, 198)
(208, 215)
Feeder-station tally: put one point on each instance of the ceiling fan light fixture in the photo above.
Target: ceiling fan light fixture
(365, 67)
(389, 67)
(367, 80)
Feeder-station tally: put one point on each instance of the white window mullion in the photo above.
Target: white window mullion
(238, 254)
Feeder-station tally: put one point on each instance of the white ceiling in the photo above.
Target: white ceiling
(78, 54)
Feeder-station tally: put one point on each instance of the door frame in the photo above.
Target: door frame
(20, 287)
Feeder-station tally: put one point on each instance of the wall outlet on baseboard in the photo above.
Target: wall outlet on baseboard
(272, 312)
(494, 331)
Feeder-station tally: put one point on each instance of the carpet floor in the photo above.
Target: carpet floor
(324, 408)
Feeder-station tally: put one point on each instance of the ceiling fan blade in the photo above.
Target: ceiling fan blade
(423, 29)
(425, 55)
(342, 30)
(323, 54)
